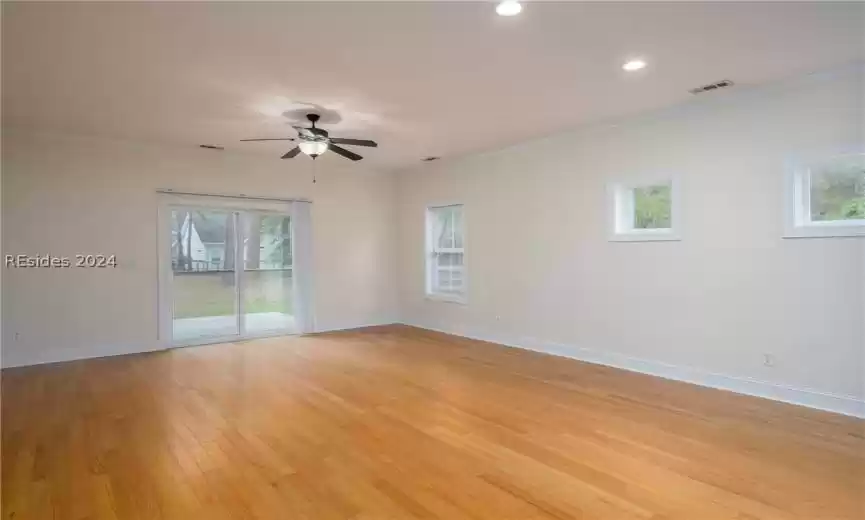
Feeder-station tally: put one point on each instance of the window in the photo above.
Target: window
(826, 197)
(644, 211)
(445, 269)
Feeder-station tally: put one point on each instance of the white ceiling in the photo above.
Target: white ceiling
(423, 79)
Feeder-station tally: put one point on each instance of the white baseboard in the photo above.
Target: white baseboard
(341, 327)
(846, 405)
(42, 357)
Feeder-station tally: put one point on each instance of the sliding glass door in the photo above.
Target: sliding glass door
(231, 271)
(266, 280)
(204, 279)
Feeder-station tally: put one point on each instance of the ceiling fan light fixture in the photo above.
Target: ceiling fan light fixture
(313, 148)
(313, 141)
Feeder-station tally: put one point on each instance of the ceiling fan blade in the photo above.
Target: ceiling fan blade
(292, 153)
(345, 153)
(355, 142)
(271, 139)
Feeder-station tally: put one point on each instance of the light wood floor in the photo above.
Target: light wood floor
(396, 423)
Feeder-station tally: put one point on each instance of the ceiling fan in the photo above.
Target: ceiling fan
(315, 141)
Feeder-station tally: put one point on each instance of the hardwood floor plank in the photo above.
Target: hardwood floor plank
(399, 423)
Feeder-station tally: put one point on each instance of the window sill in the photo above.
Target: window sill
(447, 298)
(657, 236)
(825, 231)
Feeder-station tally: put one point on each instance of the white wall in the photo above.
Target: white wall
(542, 274)
(63, 196)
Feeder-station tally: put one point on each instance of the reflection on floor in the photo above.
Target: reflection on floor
(259, 323)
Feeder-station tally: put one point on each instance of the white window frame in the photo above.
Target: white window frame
(430, 246)
(620, 211)
(797, 202)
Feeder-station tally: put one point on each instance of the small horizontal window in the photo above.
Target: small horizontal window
(826, 198)
(643, 211)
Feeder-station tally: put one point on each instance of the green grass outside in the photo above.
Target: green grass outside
(212, 294)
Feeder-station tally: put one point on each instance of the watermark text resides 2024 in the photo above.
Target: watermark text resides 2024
(59, 262)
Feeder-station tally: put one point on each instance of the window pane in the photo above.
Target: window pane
(445, 218)
(267, 278)
(202, 240)
(444, 280)
(457, 280)
(268, 242)
(203, 285)
(652, 207)
(449, 283)
(458, 227)
(838, 189)
(450, 259)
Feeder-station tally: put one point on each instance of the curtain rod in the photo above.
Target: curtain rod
(230, 196)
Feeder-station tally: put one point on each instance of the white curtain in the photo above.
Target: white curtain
(304, 314)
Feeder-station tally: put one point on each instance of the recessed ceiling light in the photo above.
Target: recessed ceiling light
(509, 8)
(634, 65)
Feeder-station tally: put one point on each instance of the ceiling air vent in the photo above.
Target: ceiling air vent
(211, 147)
(430, 159)
(712, 86)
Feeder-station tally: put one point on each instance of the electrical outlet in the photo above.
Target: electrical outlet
(768, 360)
(498, 318)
